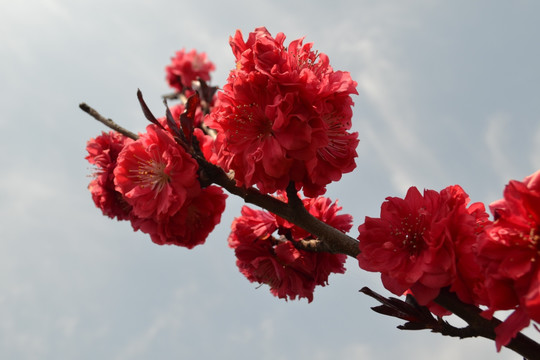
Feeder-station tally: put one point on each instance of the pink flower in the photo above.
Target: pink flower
(284, 115)
(191, 224)
(414, 243)
(187, 67)
(155, 175)
(276, 261)
(102, 153)
(509, 252)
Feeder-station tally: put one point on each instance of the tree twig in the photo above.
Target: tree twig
(294, 211)
(107, 122)
(521, 344)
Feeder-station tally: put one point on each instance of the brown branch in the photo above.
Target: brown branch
(521, 344)
(294, 211)
(173, 96)
(107, 122)
(418, 317)
(313, 245)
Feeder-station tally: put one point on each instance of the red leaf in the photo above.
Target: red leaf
(146, 111)
(187, 119)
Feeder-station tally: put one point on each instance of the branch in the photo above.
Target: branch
(107, 122)
(174, 96)
(419, 317)
(294, 211)
(521, 344)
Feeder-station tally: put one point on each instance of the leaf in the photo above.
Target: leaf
(187, 119)
(205, 92)
(175, 130)
(146, 111)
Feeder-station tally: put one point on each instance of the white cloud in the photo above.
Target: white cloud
(393, 130)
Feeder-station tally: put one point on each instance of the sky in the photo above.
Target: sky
(448, 94)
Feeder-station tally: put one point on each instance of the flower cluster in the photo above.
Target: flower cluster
(415, 243)
(423, 243)
(509, 251)
(187, 67)
(284, 115)
(153, 183)
(268, 250)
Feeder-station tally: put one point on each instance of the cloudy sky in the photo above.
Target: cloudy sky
(448, 95)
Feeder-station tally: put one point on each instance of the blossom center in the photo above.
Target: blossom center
(307, 59)
(150, 173)
(410, 234)
(250, 123)
(534, 242)
(338, 144)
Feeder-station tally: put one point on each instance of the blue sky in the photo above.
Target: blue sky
(448, 94)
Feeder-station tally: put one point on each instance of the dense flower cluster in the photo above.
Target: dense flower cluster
(416, 241)
(509, 252)
(284, 115)
(187, 67)
(153, 183)
(421, 244)
(276, 260)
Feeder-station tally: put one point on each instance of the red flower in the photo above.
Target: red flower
(284, 116)
(509, 251)
(187, 67)
(296, 65)
(102, 153)
(155, 175)
(191, 225)
(261, 52)
(414, 242)
(469, 284)
(290, 272)
(262, 132)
